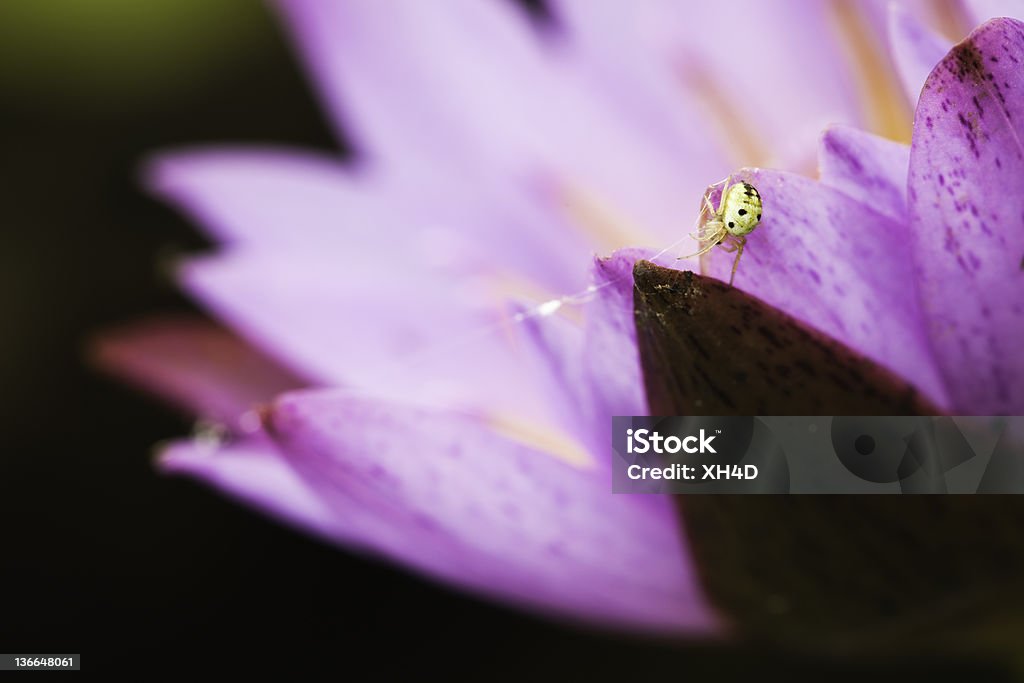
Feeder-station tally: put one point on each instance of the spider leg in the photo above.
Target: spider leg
(730, 245)
(725, 181)
(711, 239)
(710, 230)
(708, 206)
(726, 184)
(702, 251)
(740, 242)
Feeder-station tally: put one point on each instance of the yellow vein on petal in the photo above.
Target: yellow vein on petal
(744, 146)
(885, 107)
(951, 19)
(546, 439)
(607, 229)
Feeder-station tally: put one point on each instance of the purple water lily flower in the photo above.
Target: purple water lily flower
(468, 440)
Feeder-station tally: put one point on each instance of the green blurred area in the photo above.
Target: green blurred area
(118, 53)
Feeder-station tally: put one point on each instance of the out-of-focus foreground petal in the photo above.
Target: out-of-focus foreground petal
(840, 266)
(967, 212)
(453, 499)
(915, 49)
(866, 167)
(198, 365)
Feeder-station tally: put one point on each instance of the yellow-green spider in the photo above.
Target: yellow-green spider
(738, 213)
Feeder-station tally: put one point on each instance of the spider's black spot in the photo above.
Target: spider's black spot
(758, 216)
(742, 212)
(731, 224)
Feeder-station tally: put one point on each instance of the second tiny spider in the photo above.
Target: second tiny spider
(738, 213)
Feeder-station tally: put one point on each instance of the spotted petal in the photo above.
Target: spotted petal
(866, 167)
(840, 266)
(491, 514)
(967, 214)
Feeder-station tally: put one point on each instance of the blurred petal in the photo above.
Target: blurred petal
(612, 364)
(981, 11)
(460, 63)
(967, 211)
(285, 198)
(492, 515)
(745, 72)
(253, 471)
(555, 345)
(840, 266)
(464, 68)
(866, 167)
(389, 330)
(915, 49)
(194, 363)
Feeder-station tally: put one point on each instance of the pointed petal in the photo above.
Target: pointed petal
(915, 49)
(841, 267)
(490, 101)
(866, 167)
(254, 472)
(460, 63)
(196, 364)
(492, 515)
(288, 198)
(967, 211)
(388, 331)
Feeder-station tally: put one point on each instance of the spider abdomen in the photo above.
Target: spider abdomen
(741, 209)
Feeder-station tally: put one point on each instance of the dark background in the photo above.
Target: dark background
(99, 554)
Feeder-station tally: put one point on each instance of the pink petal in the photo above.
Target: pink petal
(555, 345)
(194, 363)
(981, 11)
(492, 515)
(467, 90)
(866, 167)
(459, 63)
(611, 360)
(388, 330)
(967, 212)
(253, 471)
(839, 266)
(915, 49)
(288, 198)
(742, 53)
